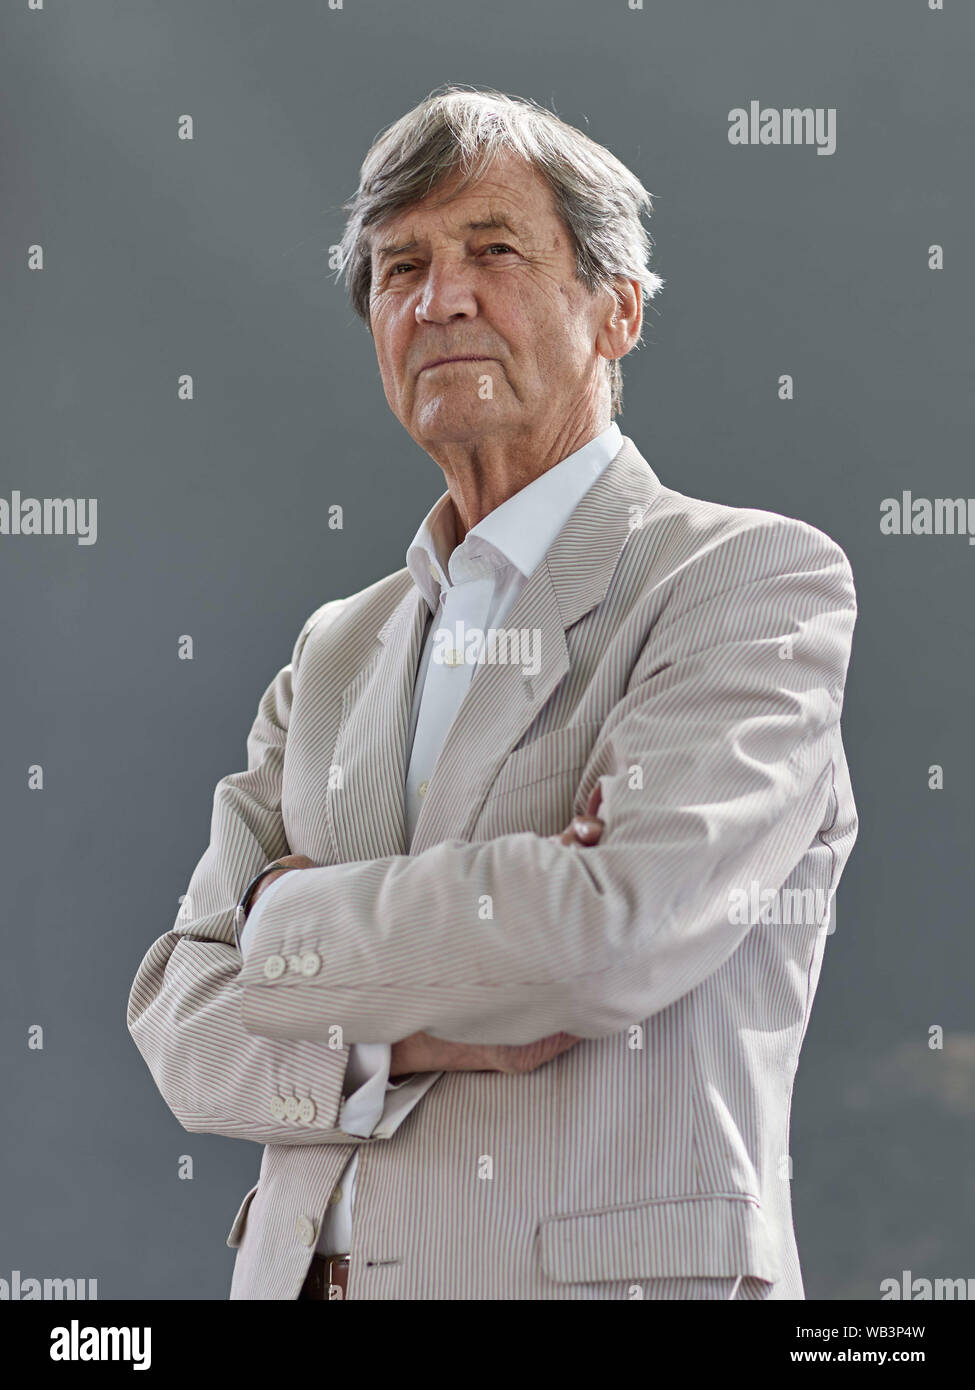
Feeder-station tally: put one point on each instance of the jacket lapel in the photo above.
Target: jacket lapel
(366, 808)
(503, 702)
(365, 799)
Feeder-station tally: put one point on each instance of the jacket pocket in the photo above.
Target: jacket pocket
(556, 753)
(697, 1236)
(240, 1220)
(538, 787)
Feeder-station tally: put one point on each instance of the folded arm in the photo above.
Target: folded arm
(184, 1008)
(716, 772)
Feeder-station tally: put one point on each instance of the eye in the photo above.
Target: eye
(399, 266)
(499, 246)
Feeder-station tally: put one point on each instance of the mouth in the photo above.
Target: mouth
(445, 361)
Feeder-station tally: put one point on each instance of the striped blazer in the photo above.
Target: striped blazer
(693, 660)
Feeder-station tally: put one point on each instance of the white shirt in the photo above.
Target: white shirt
(472, 585)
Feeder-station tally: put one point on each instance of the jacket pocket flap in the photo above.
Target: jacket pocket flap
(556, 753)
(668, 1237)
(240, 1220)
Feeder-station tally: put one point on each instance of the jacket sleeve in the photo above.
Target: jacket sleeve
(367, 1066)
(184, 1008)
(716, 769)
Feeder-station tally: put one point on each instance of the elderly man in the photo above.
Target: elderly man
(499, 1046)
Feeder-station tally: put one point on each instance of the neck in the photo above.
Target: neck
(482, 474)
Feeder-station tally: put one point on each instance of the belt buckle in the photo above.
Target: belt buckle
(335, 1264)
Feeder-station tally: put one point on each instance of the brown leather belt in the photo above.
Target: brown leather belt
(327, 1278)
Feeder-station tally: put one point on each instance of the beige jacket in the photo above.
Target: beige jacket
(693, 662)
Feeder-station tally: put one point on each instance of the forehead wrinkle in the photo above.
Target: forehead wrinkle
(495, 221)
(386, 251)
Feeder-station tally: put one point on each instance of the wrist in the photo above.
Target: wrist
(268, 879)
(404, 1060)
(251, 894)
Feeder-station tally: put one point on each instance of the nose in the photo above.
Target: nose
(447, 294)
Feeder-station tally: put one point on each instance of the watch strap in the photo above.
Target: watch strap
(244, 906)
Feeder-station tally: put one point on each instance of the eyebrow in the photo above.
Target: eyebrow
(486, 224)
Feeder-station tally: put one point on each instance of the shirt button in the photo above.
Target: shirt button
(306, 1111)
(311, 963)
(277, 1108)
(336, 1197)
(273, 967)
(291, 1108)
(305, 1229)
(422, 789)
(294, 964)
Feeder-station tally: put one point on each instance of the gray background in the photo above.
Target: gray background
(210, 257)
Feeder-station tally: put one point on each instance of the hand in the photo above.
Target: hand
(587, 829)
(421, 1052)
(287, 861)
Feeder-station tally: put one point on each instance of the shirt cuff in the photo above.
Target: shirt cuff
(367, 1068)
(366, 1077)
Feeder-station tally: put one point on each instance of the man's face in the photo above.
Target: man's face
(490, 275)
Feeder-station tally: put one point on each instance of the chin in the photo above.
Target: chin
(441, 424)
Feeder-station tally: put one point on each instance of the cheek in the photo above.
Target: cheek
(541, 327)
(391, 350)
(566, 345)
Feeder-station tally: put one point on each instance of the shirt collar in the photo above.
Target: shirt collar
(518, 533)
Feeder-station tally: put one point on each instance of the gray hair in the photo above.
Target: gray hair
(458, 131)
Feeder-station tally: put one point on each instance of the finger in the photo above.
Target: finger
(554, 1044)
(519, 1058)
(587, 830)
(595, 798)
(582, 830)
(566, 838)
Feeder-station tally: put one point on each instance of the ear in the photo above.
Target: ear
(620, 329)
